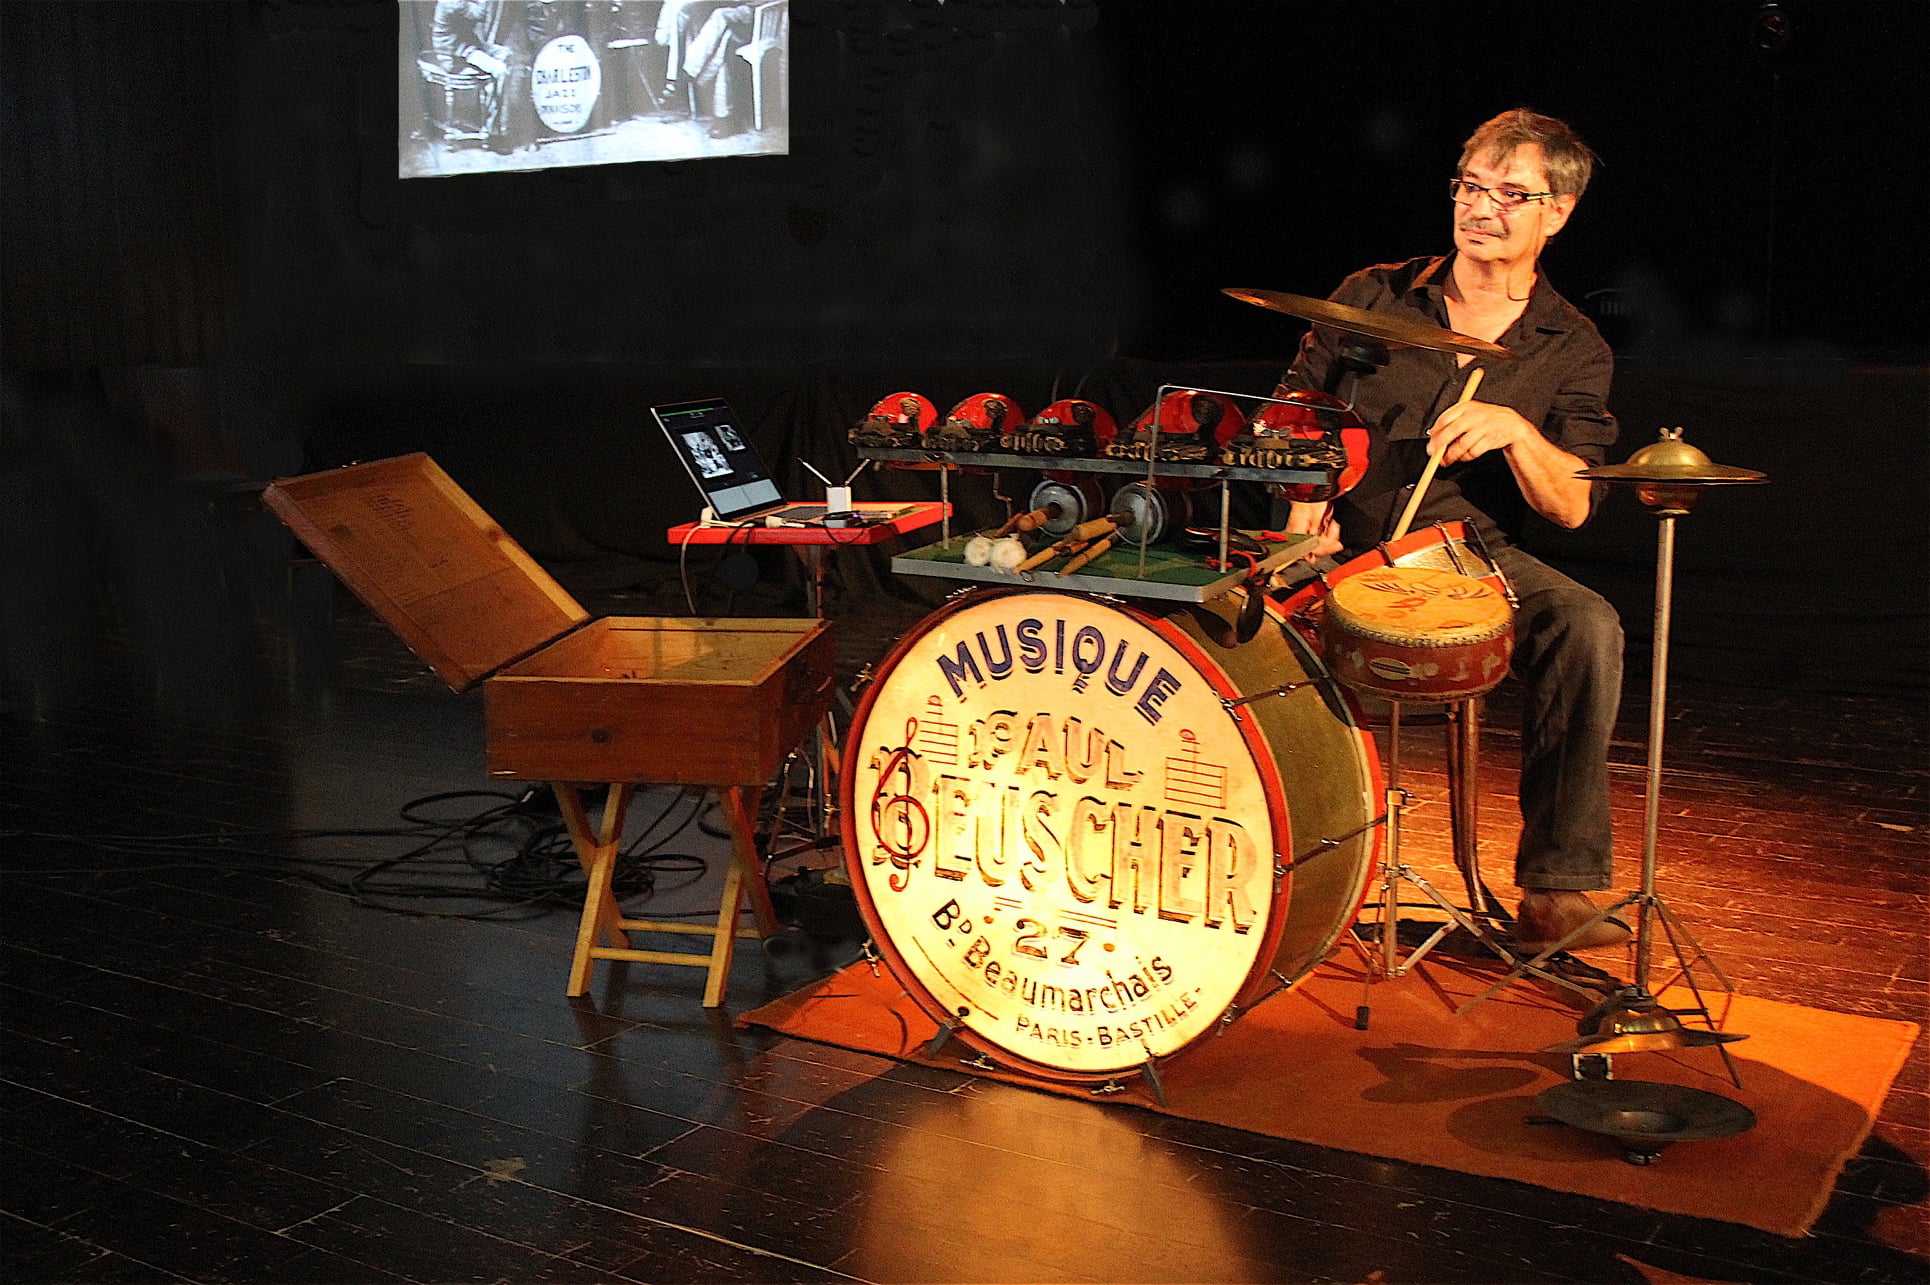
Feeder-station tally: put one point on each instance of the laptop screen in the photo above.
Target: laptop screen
(717, 453)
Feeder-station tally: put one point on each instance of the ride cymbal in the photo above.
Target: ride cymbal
(1389, 328)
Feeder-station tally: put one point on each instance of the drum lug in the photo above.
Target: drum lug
(863, 678)
(1150, 1069)
(945, 1030)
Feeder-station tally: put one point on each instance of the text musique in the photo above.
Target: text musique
(1085, 652)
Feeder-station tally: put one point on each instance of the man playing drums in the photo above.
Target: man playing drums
(1535, 422)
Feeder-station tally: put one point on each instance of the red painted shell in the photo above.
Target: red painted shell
(1301, 416)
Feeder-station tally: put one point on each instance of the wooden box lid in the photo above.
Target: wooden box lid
(418, 551)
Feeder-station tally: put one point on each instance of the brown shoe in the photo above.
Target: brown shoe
(1545, 917)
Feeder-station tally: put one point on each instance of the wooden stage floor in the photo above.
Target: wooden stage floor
(248, 1037)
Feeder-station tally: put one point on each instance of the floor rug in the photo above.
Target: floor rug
(1425, 1085)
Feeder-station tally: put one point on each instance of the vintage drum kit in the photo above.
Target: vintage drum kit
(1087, 830)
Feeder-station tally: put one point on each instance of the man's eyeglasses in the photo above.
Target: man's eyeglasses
(1505, 199)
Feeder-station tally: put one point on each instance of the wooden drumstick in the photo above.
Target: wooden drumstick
(1092, 551)
(1433, 462)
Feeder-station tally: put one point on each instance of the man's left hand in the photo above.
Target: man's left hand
(1469, 429)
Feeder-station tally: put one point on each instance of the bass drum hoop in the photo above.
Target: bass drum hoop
(1292, 945)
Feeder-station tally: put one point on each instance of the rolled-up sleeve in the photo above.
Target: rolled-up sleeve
(1578, 418)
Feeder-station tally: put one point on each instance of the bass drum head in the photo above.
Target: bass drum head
(1067, 844)
(1329, 770)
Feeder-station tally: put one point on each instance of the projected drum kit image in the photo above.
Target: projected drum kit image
(1119, 790)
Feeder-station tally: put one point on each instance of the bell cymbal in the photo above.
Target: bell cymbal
(1388, 327)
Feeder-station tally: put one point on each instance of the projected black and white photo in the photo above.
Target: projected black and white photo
(493, 85)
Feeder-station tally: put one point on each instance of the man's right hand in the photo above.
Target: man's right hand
(1316, 520)
(488, 62)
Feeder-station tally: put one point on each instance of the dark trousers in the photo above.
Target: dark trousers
(1568, 657)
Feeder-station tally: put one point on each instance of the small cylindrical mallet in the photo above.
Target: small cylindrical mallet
(1090, 552)
(1026, 521)
(1042, 557)
(1080, 535)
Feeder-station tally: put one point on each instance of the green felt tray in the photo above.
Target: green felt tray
(1171, 575)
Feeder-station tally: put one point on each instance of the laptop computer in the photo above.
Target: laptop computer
(718, 455)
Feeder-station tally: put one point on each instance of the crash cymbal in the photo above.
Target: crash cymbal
(1388, 327)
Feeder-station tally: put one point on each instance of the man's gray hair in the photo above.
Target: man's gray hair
(1568, 159)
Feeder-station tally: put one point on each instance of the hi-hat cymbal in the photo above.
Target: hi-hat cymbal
(1388, 327)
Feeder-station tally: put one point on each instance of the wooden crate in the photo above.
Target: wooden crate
(618, 701)
(636, 698)
(565, 698)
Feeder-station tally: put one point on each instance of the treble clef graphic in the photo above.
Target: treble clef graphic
(898, 819)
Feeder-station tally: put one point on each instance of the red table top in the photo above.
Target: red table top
(896, 518)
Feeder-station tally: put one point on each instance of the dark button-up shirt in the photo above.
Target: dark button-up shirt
(1558, 380)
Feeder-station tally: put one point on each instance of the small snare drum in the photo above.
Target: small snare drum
(1417, 634)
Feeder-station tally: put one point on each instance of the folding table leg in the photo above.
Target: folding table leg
(744, 879)
(597, 854)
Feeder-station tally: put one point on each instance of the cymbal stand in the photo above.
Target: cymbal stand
(1651, 909)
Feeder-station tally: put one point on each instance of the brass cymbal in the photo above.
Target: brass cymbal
(1673, 462)
(1705, 475)
(1645, 1113)
(1388, 327)
(1674, 475)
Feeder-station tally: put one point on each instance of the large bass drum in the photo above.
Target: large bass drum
(1073, 827)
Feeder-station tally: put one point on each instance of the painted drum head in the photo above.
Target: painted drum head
(1418, 634)
(1062, 838)
(1420, 606)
